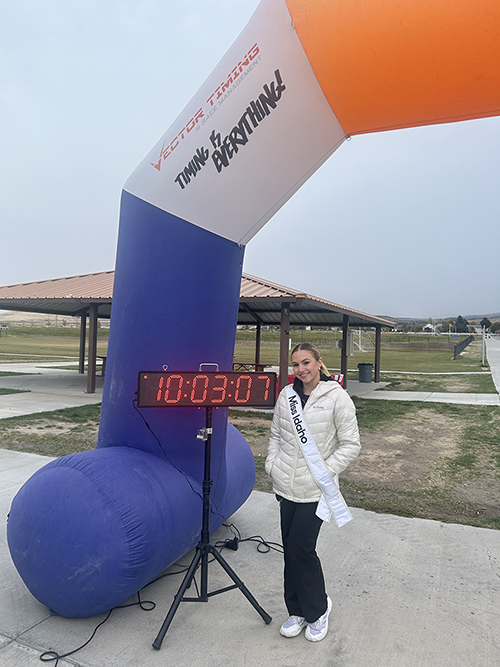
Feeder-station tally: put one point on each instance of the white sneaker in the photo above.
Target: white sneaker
(317, 631)
(293, 626)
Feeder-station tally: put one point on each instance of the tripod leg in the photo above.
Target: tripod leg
(186, 583)
(265, 616)
(204, 575)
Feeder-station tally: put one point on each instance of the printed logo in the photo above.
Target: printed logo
(233, 78)
(224, 150)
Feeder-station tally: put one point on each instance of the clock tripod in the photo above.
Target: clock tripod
(203, 549)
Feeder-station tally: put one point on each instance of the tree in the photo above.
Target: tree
(485, 323)
(461, 324)
(495, 327)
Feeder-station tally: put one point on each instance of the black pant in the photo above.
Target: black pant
(305, 593)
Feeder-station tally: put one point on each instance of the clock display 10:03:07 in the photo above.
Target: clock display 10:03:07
(198, 389)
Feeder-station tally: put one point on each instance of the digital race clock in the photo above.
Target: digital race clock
(215, 389)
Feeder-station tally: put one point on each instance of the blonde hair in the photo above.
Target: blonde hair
(309, 347)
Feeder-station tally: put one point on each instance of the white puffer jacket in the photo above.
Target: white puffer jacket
(330, 416)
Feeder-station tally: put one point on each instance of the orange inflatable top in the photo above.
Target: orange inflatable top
(388, 64)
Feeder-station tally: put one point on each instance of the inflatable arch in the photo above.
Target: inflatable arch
(89, 530)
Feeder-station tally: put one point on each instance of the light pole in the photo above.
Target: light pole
(484, 342)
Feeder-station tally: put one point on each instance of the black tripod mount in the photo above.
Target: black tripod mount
(204, 548)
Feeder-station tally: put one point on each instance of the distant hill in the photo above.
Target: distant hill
(417, 320)
(35, 319)
(491, 316)
(404, 320)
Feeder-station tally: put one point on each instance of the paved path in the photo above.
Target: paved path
(369, 389)
(405, 593)
(493, 355)
(432, 397)
(47, 389)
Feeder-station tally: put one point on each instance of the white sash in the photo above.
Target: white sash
(332, 501)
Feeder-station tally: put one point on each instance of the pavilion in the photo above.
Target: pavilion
(262, 303)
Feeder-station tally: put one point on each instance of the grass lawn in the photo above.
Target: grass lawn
(432, 461)
(475, 384)
(55, 433)
(61, 344)
(409, 360)
(4, 374)
(42, 344)
(435, 461)
(4, 391)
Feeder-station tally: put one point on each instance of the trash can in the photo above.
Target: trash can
(365, 372)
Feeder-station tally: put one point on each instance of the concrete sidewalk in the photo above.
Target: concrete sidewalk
(46, 388)
(431, 397)
(493, 356)
(369, 390)
(405, 592)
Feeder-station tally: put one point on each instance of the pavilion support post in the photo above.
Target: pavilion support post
(345, 350)
(83, 331)
(284, 344)
(91, 364)
(257, 345)
(378, 344)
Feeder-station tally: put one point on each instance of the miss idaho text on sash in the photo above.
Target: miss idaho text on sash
(332, 501)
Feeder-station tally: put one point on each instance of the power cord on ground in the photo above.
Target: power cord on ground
(54, 656)
(263, 546)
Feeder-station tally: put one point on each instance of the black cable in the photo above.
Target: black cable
(212, 502)
(233, 529)
(213, 505)
(185, 568)
(263, 546)
(50, 656)
(221, 458)
(134, 403)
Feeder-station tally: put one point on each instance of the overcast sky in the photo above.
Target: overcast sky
(401, 223)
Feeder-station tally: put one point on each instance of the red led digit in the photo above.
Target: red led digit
(160, 387)
(205, 389)
(268, 383)
(222, 389)
(238, 383)
(169, 384)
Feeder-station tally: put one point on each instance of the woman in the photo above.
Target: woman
(314, 436)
